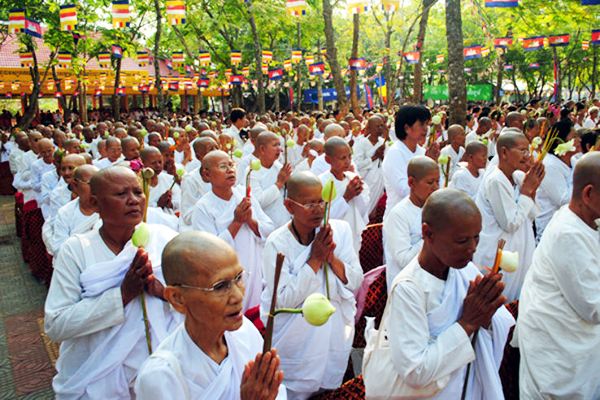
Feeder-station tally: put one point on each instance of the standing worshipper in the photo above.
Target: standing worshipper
(454, 150)
(312, 357)
(507, 204)
(238, 122)
(469, 178)
(94, 306)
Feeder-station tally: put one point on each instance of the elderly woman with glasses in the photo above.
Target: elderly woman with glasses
(215, 353)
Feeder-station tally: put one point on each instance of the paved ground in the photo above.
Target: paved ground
(26, 367)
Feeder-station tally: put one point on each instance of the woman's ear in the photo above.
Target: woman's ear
(174, 295)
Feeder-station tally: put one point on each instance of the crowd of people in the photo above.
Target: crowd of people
(182, 315)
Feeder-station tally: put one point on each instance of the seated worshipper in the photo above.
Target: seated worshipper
(312, 357)
(320, 165)
(78, 215)
(130, 148)
(182, 152)
(352, 198)
(215, 354)
(163, 194)
(411, 129)
(193, 185)
(555, 189)
(267, 183)
(227, 212)
(312, 150)
(114, 154)
(368, 156)
(454, 151)
(42, 165)
(402, 227)
(469, 178)
(253, 155)
(94, 305)
(507, 204)
(440, 300)
(558, 329)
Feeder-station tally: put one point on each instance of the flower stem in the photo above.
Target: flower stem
(473, 343)
(287, 311)
(146, 323)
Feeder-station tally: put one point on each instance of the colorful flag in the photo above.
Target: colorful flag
(287, 64)
(534, 65)
(439, 58)
(33, 28)
(485, 51)
(120, 13)
(143, 58)
(178, 58)
(275, 74)
(296, 56)
(213, 75)
(559, 40)
(585, 44)
(467, 70)
(533, 43)
(97, 93)
(57, 95)
(26, 59)
(68, 17)
(509, 68)
(316, 69)
(104, 59)
(379, 67)
(203, 81)
(309, 60)
(381, 88)
(246, 71)
(357, 64)
(189, 69)
(64, 59)
(324, 51)
(169, 64)
(174, 86)
(503, 42)
(296, 7)
(414, 57)
(227, 73)
(472, 52)
(236, 57)
(595, 37)
(441, 71)
(16, 20)
(390, 5)
(176, 12)
(369, 97)
(501, 3)
(236, 79)
(265, 69)
(590, 2)
(267, 56)
(204, 58)
(357, 6)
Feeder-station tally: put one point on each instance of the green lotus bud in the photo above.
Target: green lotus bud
(436, 120)
(85, 146)
(141, 236)
(509, 261)
(328, 193)
(443, 159)
(255, 165)
(228, 146)
(290, 143)
(317, 309)
(213, 123)
(148, 173)
(180, 172)
(175, 135)
(238, 153)
(188, 128)
(485, 141)
(143, 132)
(235, 142)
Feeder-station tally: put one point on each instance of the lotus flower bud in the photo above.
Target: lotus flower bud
(180, 172)
(213, 123)
(188, 128)
(235, 142)
(509, 261)
(317, 309)
(484, 141)
(255, 165)
(143, 132)
(523, 112)
(536, 142)
(175, 135)
(443, 159)
(141, 236)
(148, 173)
(328, 193)
(436, 120)
(290, 143)
(238, 153)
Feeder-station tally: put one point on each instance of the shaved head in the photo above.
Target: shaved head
(85, 172)
(212, 158)
(148, 151)
(515, 119)
(104, 177)
(265, 138)
(454, 131)
(445, 208)
(210, 134)
(333, 144)
(203, 142)
(420, 166)
(299, 181)
(587, 172)
(509, 140)
(475, 147)
(334, 130)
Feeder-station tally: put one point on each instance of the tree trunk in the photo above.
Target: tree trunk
(499, 76)
(594, 72)
(158, 82)
(319, 79)
(353, 72)
(257, 59)
(332, 57)
(82, 101)
(298, 68)
(277, 89)
(457, 89)
(418, 84)
(32, 106)
(387, 69)
(116, 99)
(558, 78)
(61, 100)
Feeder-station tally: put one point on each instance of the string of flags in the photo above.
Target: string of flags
(175, 12)
(68, 17)
(296, 7)
(26, 59)
(120, 14)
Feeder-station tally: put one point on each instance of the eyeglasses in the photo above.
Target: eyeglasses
(226, 167)
(223, 287)
(524, 152)
(310, 206)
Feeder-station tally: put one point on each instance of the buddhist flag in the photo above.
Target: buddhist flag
(379, 67)
(26, 59)
(316, 69)
(64, 59)
(501, 3)
(559, 40)
(204, 58)
(265, 69)
(472, 52)
(287, 64)
(296, 7)
(414, 57)
(595, 37)
(357, 64)
(178, 58)
(117, 51)
(227, 73)
(236, 57)
(246, 71)
(267, 56)
(143, 58)
(296, 56)
(585, 44)
(203, 81)
(68, 17)
(534, 65)
(120, 14)
(390, 5)
(485, 51)
(324, 51)
(16, 20)
(176, 12)
(104, 59)
(236, 79)
(509, 68)
(97, 93)
(213, 75)
(439, 58)
(275, 74)
(57, 95)
(33, 28)
(357, 6)
(533, 43)
(503, 42)
(309, 60)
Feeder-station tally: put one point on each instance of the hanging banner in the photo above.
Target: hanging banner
(369, 97)
(33, 28)
(534, 65)
(472, 52)
(309, 60)
(296, 56)
(117, 51)
(357, 6)
(533, 43)
(595, 37)
(467, 70)
(390, 5)
(316, 69)
(559, 40)
(236, 79)
(503, 43)
(143, 58)
(26, 59)
(175, 12)
(203, 81)
(590, 2)
(501, 3)
(485, 51)
(509, 68)
(64, 59)
(246, 71)
(16, 20)
(178, 58)
(357, 64)
(104, 59)
(236, 57)
(68, 17)
(474, 92)
(295, 7)
(287, 64)
(275, 74)
(585, 44)
(439, 58)
(267, 56)
(120, 14)
(413, 57)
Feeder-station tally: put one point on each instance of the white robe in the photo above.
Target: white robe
(428, 344)
(103, 343)
(22, 180)
(49, 181)
(402, 228)
(214, 215)
(14, 159)
(242, 168)
(204, 378)
(312, 357)
(105, 162)
(354, 212)
(295, 154)
(506, 214)
(164, 183)
(370, 170)
(270, 198)
(554, 191)
(558, 330)
(454, 159)
(464, 180)
(192, 189)
(68, 222)
(38, 169)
